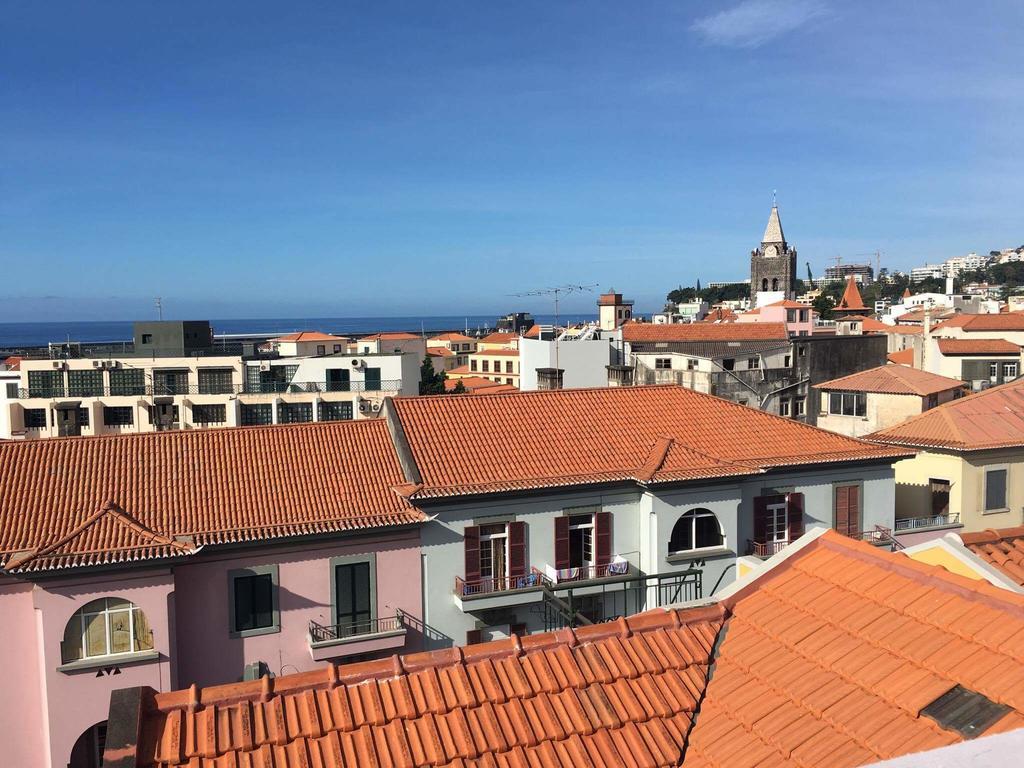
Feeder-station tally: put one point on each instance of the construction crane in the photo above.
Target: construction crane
(810, 277)
(557, 292)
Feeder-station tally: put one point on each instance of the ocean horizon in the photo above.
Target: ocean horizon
(16, 335)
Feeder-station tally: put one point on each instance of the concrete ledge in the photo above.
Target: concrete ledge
(102, 662)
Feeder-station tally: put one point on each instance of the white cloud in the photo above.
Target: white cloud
(754, 22)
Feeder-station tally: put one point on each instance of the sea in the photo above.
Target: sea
(20, 335)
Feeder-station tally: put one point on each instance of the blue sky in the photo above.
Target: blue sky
(340, 159)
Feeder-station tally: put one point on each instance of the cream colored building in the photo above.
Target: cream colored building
(970, 469)
(308, 343)
(881, 397)
(613, 311)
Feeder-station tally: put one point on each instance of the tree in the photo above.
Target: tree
(431, 381)
(459, 388)
(823, 305)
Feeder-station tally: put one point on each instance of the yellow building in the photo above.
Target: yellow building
(970, 469)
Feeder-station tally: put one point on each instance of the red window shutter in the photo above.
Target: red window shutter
(561, 542)
(471, 536)
(602, 538)
(473, 636)
(760, 519)
(516, 549)
(795, 515)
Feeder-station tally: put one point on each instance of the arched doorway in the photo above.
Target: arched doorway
(88, 750)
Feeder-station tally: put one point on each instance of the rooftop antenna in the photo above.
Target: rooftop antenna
(773, 198)
(159, 308)
(557, 293)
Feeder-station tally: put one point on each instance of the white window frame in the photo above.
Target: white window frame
(488, 538)
(695, 513)
(588, 540)
(776, 533)
(81, 614)
(1009, 371)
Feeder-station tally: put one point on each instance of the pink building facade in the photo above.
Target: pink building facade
(798, 318)
(184, 631)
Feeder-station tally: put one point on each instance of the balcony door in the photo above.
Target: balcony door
(353, 612)
(777, 524)
(339, 380)
(495, 557)
(494, 553)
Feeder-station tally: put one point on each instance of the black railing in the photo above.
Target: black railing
(164, 390)
(320, 633)
(490, 584)
(283, 387)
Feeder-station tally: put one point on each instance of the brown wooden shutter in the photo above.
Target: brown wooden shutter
(602, 538)
(471, 536)
(516, 549)
(760, 519)
(854, 510)
(473, 636)
(795, 515)
(842, 505)
(561, 542)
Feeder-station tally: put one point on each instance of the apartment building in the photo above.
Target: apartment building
(304, 377)
(448, 351)
(496, 358)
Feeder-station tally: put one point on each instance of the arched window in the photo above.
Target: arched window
(105, 627)
(696, 529)
(775, 283)
(764, 284)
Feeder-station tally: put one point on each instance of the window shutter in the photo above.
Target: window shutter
(760, 519)
(473, 636)
(561, 542)
(795, 515)
(854, 526)
(516, 549)
(602, 538)
(472, 539)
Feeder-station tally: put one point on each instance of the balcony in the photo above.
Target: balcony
(765, 549)
(128, 390)
(335, 640)
(500, 591)
(911, 524)
(298, 387)
(617, 567)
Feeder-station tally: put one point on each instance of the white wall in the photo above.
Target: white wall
(583, 362)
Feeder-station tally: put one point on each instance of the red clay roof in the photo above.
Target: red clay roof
(452, 337)
(903, 357)
(534, 332)
(481, 353)
(309, 336)
(720, 315)
(465, 446)
(477, 384)
(396, 336)
(877, 326)
(978, 347)
(1003, 548)
(893, 380)
(789, 304)
(828, 659)
(992, 418)
(648, 332)
(498, 338)
(937, 313)
(1011, 321)
(851, 296)
(440, 352)
(82, 501)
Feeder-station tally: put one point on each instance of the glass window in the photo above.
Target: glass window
(253, 415)
(118, 416)
(993, 371)
(337, 348)
(485, 366)
(46, 384)
(581, 541)
(209, 413)
(372, 379)
(253, 599)
(321, 349)
(127, 381)
(294, 413)
(691, 364)
(1009, 371)
(215, 381)
(787, 361)
(327, 411)
(12, 390)
(777, 530)
(35, 418)
(352, 595)
(728, 364)
(663, 363)
(508, 366)
(995, 489)
(472, 365)
(933, 401)
(799, 406)
(784, 407)
(696, 529)
(494, 551)
(85, 383)
(753, 362)
(105, 627)
(791, 315)
(168, 382)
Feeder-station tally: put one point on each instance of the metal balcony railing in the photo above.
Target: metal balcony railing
(492, 584)
(130, 390)
(283, 387)
(593, 572)
(320, 633)
(766, 548)
(913, 523)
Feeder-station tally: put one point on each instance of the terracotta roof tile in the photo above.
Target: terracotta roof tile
(894, 380)
(498, 337)
(978, 347)
(851, 298)
(72, 502)
(950, 316)
(309, 336)
(1003, 548)
(641, 332)
(992, 418)
(828, 659)
(491, 444)
(392, 336)
(1011, 321)
(440, 352)
(452, 337)
(903, 357)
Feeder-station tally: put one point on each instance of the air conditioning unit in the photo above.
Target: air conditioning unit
(357, 363)
(364, 405)
(979, 384)
(57, 364)
(376, 407)
(98, 364)
(265, 366)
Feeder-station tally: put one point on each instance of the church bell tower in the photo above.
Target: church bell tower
(773, 265)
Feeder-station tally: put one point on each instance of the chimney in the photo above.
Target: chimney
(549, 378)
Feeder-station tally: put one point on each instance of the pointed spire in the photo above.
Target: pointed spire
(773, 232)
(906, 293)
(851, 296)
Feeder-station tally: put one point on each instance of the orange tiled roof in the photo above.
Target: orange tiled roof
(465, 446)
(309, 336)
(877, 326)
(75, 502)
(992, 418)
(828, 659)
(440, 352)
(789, 304)
(851, 296)
(13, 363)
(395, 336)
(1003, 548)
(498, 337)
(481, 353)
(937, 313)
(720, 315)
(893, 380)
(473, 384)
(534, 332)
(978, 347)
(903, 357)
(1012, 321)
(641, 332)
(452, 337)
